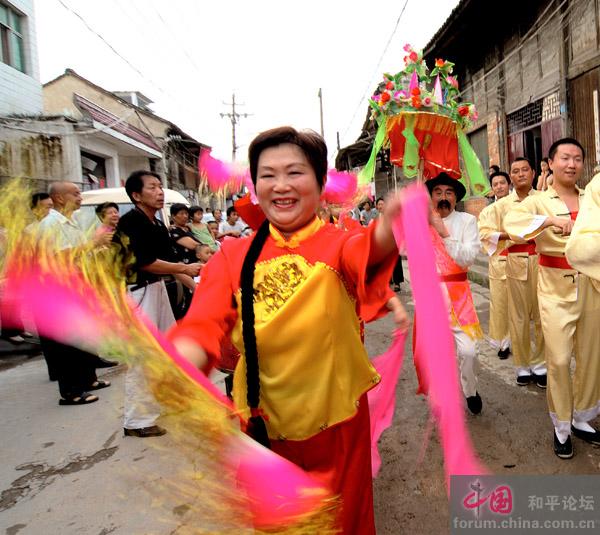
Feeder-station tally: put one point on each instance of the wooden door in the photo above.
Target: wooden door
(584, 106)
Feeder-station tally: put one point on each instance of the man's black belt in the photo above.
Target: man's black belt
(134, 287)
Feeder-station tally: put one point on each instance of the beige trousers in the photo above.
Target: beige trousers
(522, 279)
(498, 332)
(570, 321)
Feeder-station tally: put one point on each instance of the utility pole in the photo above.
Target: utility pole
(321, 111)
(234, 116)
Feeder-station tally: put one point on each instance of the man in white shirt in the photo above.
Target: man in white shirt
(456, 249)
(73, 368)
(233, 226)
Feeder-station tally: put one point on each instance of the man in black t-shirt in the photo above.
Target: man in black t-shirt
(184, 241)
(142, 234)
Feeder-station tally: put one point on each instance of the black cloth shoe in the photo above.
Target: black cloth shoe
(593, 437)
(524, 380)
(540, 380)
(504, 353)
(103, 363)
(144, 432)
(564, 451)
(474, 403)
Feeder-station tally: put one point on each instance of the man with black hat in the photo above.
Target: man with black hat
(456, 240)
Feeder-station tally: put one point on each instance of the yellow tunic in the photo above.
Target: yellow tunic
(583, 246)
(310, 290)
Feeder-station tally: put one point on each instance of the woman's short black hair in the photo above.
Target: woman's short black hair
(310, 143)
(101, 208)
(178, 207)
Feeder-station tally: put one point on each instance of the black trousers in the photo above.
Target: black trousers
(398, 274)
(10, 326)
(74, 369)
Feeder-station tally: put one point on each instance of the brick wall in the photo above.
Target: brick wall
(494, 147)
(474, 205)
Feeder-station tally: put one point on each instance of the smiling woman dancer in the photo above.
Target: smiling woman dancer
(291, 297)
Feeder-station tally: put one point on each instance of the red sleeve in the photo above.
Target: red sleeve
(212, 313)
(371, 282)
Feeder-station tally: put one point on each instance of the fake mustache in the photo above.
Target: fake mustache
(444, 205)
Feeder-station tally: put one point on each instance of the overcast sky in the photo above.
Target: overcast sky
(274, 54)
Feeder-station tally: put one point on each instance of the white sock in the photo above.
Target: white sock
(583, 426)
(562, 435)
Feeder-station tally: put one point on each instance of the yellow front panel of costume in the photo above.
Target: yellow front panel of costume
(313, 369)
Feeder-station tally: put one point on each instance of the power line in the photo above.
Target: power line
(376, 70)
(176, 38)
(233, 116)
(113, 49)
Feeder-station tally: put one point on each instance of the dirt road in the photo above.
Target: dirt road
(68, 470)
(512, 435)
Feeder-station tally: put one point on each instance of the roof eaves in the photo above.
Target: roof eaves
(456, 13)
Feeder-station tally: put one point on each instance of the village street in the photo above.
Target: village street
(69, 470)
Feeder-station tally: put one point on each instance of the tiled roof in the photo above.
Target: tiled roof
(115, 123)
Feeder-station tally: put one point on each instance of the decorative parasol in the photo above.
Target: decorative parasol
(421, 119)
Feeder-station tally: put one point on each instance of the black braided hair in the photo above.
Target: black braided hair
(256, 425)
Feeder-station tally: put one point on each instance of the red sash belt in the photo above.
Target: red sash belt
(454, 277)
(528, 248)
(556, 262)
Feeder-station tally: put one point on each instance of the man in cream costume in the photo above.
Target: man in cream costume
(456, 243)
(489, 233)
(583, 247)
(521, 282)
(568, 300)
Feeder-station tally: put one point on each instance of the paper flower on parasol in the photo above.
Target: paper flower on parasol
(419, 115)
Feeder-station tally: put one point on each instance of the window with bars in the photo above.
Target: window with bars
(526, 117)
(11, 38)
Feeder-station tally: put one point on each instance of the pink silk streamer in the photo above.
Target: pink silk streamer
(340, 188)
(382, 398)
(434, 349)
(220, 175)
(279, 491)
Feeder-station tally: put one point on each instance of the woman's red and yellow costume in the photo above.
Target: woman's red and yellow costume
(311, 291)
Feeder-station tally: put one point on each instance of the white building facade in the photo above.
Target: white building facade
(20, 87)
